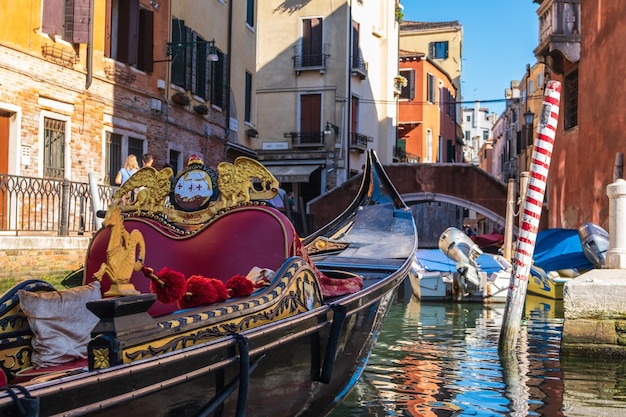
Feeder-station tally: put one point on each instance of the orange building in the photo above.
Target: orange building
(427, 130)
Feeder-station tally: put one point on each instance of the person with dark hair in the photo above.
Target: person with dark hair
(147, 160)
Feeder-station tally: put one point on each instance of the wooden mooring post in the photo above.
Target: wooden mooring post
(532, 205)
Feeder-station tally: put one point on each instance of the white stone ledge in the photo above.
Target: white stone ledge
(43, 242)
(597, 294)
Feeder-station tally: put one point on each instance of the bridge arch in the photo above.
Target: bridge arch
(464, 185)
(423, 197)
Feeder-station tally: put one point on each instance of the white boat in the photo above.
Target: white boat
(460, 271)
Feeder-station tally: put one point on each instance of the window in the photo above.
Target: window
(175, 160)
(219, 91)
(130, 30)
(67, 19)
(310, 118)
(468, 118)
(438, 50)
(429, 145)
(248, 106)
(54, 148)
(408, 92)
(312, 50)
(430, 89)
(113, 156)
(485, 134)
(570, 99)
(540, 81)
(250, 13)
(117, 147)
(190, 68)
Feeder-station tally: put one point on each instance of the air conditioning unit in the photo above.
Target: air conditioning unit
(155, 105)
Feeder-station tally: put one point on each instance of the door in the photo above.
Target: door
(4, 166)
(310, 119)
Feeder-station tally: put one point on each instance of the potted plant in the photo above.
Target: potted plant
(201, 109)
(180, 98)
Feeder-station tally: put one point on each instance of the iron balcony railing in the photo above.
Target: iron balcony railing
(309, 61)
(30, 205)
(306, 139)
(359, 141)
(359, 66)
(402, 155)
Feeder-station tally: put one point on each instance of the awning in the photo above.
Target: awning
(292, 173)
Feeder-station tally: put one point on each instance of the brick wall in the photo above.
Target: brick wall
(37, 257)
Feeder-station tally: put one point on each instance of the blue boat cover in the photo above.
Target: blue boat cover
(436, 260)
(560, 249)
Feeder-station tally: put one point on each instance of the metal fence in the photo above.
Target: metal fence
(30, 205)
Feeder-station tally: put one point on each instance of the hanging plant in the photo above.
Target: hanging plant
(180, 98)
(400, 81)
(201, 109)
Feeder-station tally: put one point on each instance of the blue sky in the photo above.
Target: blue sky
(498, 41)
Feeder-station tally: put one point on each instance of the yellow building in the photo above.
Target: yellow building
(325, 89)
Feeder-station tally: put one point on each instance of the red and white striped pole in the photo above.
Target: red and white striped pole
(533, 202)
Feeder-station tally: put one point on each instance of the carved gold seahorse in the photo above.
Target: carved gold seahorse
(122, 257)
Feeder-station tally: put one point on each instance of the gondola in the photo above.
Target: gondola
(208, 303)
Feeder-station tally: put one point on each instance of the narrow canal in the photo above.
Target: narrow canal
(441, 359)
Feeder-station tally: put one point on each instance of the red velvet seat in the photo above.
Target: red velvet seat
(232, 244)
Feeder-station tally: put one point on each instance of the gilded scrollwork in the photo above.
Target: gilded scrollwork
(146, 190)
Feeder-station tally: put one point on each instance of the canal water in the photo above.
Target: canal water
(441, 359)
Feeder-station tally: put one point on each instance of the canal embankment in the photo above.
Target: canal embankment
(26, 257)
(594, 303)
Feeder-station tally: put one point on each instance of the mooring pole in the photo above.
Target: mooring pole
(540, 164)
(510, 215)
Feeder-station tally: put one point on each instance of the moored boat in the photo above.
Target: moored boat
(460, 271)
(262, 322)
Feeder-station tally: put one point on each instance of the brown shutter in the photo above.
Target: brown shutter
(107, 30)
(76, 21)
(52, 18)
(146, 41)
(133, 32)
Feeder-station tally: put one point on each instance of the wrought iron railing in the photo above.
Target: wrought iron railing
(30, 205)
(359, 66)
(308, 61)
(402, 155)
(306, 139)
(359, 141)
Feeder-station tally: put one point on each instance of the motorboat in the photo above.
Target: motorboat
(460, 271)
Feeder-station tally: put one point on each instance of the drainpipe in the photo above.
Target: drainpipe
(90, 47)
(349, 94)
(228, 47)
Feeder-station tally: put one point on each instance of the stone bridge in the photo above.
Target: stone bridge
(464, 185)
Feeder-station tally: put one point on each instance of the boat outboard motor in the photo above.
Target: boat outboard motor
(595, 243)
(456, 245)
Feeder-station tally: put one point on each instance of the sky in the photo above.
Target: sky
(499, 37)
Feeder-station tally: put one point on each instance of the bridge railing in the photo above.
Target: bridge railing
(31, 205)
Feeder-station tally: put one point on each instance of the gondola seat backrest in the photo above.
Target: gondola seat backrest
(232, 244)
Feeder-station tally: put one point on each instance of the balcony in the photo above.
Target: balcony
(559, 32)
(309, 62)
(358, 142)
(359, 66)
(306, 139)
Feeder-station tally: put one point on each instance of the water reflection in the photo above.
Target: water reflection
(441, 359)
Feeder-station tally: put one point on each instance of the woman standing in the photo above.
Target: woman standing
(130, 167)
